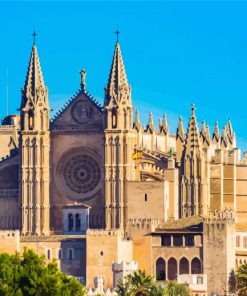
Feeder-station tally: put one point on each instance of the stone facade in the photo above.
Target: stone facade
(93, 186)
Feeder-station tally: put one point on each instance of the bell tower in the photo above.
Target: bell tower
(118, 127)
(35, 151)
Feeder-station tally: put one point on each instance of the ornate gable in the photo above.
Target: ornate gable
(81, 113)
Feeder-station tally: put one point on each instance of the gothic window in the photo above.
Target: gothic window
(114, 118)
(30, 120)
(125, 119)
(184, 266)
(172, 269)
(77, 222)
(70, 222)
(160, 269)
(196, 266)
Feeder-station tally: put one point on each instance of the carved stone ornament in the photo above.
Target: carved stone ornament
(82, 112)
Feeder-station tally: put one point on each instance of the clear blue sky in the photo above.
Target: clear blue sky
(175, 54)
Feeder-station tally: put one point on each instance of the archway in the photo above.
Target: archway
(196, 266)
(172, 269)
(160, 269)
(184, 266)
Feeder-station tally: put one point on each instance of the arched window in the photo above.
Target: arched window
(70, 222)
(77, 222)
(59, 254)
(114, 118)
(184, 266)
(160, 269)
(196, 266)
(172, 269)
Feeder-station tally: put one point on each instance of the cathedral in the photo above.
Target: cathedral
(103, 195)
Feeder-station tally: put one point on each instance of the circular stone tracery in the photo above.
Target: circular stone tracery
(81, 174)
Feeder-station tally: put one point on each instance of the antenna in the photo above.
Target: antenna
(7, 92)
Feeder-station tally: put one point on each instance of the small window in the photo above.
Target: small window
(59, 254)
(245, 242)
(191, 241)
(146, 197)
(200, 280)
(101, 253)
(237, 241)
(71, 222)
(48, 254)
(70, 254)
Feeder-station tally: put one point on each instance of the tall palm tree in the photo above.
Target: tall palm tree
(241, 277)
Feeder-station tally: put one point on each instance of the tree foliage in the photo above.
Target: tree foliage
(141, 284)
(30, 275)
(241, 280)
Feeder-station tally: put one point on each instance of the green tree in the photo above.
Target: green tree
(140, 283)
(30, 275)
(241, 280)
(175, 289)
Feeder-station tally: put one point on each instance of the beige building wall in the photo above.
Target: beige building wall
(148, 200)
(103, 248)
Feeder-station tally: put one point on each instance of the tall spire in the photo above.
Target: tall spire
(192, 136)
(164, 127)
(216, 133)
(34, 78)
(180, 129)
(137, 123)
(150, 125)
(117, 78)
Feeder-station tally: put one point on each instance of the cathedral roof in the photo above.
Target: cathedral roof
(34, 78)
(117, 77)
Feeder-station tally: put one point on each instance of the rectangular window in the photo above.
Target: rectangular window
(200, 280)
(48, 254)
(238, 241)
(146, 197)
(245, 242)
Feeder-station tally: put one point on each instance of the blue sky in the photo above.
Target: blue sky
(175, 54)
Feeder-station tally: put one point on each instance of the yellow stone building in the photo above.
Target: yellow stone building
(103, 195)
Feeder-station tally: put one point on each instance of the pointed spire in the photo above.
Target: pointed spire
(150, 125)
(207, 135)
(224, 137)
(137, 123)
(164, 127)
(34, 78)
(229, 126)
(203, 130)
(216, 133)
(117, 77)
(192, 136)
(180, 130)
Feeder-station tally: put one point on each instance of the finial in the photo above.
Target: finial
(83, 79)
(117, 33)
(34, 36)
(193, 108)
